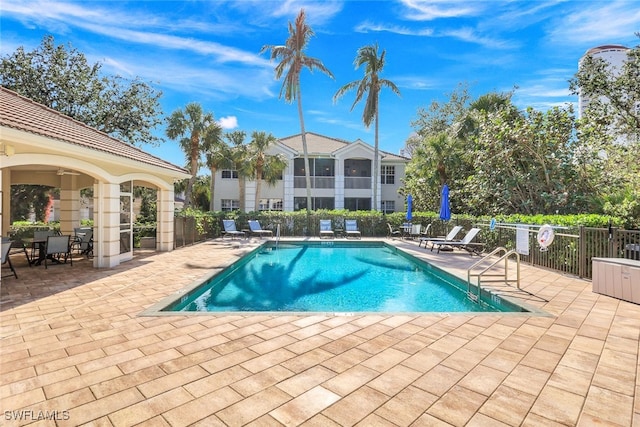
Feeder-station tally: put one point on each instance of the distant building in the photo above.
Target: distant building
(614, 54)
(341, 178)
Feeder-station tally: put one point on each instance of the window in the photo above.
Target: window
(357, 204)
(300, 203)
(229, 174)
(318, 167)
(230, 205)
(388, 206)
(270, 205)
(388, 175)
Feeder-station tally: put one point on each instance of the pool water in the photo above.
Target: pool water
(333, 277)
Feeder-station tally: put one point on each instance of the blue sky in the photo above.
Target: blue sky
(208, 52)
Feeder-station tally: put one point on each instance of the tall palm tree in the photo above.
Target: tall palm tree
(292, 61)
(197, 132)
(267, 167)
(370, 85)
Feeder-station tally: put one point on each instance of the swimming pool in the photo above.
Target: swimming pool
(333, 277)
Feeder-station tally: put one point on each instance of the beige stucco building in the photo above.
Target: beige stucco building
(341, 178)
(40, 146)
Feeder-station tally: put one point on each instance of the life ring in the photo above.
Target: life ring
(545, 236)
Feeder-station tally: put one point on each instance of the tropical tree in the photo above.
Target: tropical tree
(240, 161)
(62, 79)
(267, 167)
(370, 86)
(197, 132)
(218, 156)
(292, 60)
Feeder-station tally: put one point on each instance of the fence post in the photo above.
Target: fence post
(613, 242)
(582, 253)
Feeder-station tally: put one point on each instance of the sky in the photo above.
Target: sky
(209, 52)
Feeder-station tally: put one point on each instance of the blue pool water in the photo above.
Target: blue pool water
(332, 277)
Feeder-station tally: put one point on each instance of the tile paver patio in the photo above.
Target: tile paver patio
(75, 345)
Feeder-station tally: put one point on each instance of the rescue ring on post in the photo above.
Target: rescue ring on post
(545, 236)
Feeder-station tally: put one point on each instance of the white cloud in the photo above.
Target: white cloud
(428, 10)
(229, 122)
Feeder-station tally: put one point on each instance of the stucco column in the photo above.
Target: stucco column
(165, 228)
(339, 190)
(106, 238)
(5, 185)
(69, 204)
(288, 190)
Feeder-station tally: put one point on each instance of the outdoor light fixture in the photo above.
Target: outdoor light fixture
(7, 150)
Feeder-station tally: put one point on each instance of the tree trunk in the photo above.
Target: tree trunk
(307, 172)
(376, 167)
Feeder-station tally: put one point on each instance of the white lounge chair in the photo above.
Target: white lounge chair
(465, 243)
(325, 229)
(449, 237)
(351, 228)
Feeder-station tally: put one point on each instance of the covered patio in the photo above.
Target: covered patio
(41, 146)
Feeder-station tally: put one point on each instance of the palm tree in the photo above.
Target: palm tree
(197, 131)
(239, 157)
(218, 156)
(371, 84)
(267, 167)
(292, 61)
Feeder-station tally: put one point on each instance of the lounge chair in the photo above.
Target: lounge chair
(351, 228)
(393, 232)
(6, 248)
(449, 237)
(325, 229)
(465, 243)
(256, 229)
(415, 231)
(57, 247)
(230, 229)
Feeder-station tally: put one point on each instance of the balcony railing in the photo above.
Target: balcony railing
(357, 183)
(316, 182)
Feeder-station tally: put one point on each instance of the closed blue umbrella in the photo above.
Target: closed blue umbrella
(409, 207)
(445, 210)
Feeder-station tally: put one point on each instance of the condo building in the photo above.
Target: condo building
(341, 178)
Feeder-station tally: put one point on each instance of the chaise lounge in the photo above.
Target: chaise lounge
(466, 243)
(325, 229)
(257, 230)
(351, 228)
(230, 229)
(448, 238)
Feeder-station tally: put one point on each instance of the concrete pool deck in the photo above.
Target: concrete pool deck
(74, 346)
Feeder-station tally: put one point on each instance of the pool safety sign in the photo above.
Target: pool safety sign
(522, 239)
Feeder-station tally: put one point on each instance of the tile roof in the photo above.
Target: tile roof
(320, 144)
(21, 113)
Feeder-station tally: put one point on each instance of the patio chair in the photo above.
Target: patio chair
(58, 247)
(230, 229)
(6, 248)
(393, 232)
(415, 231)
(38, 243)
(256, 229)
(465, 243)
(83, 241)
(449, 237)
(17, 246)
(325, 229)
(351, 228)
